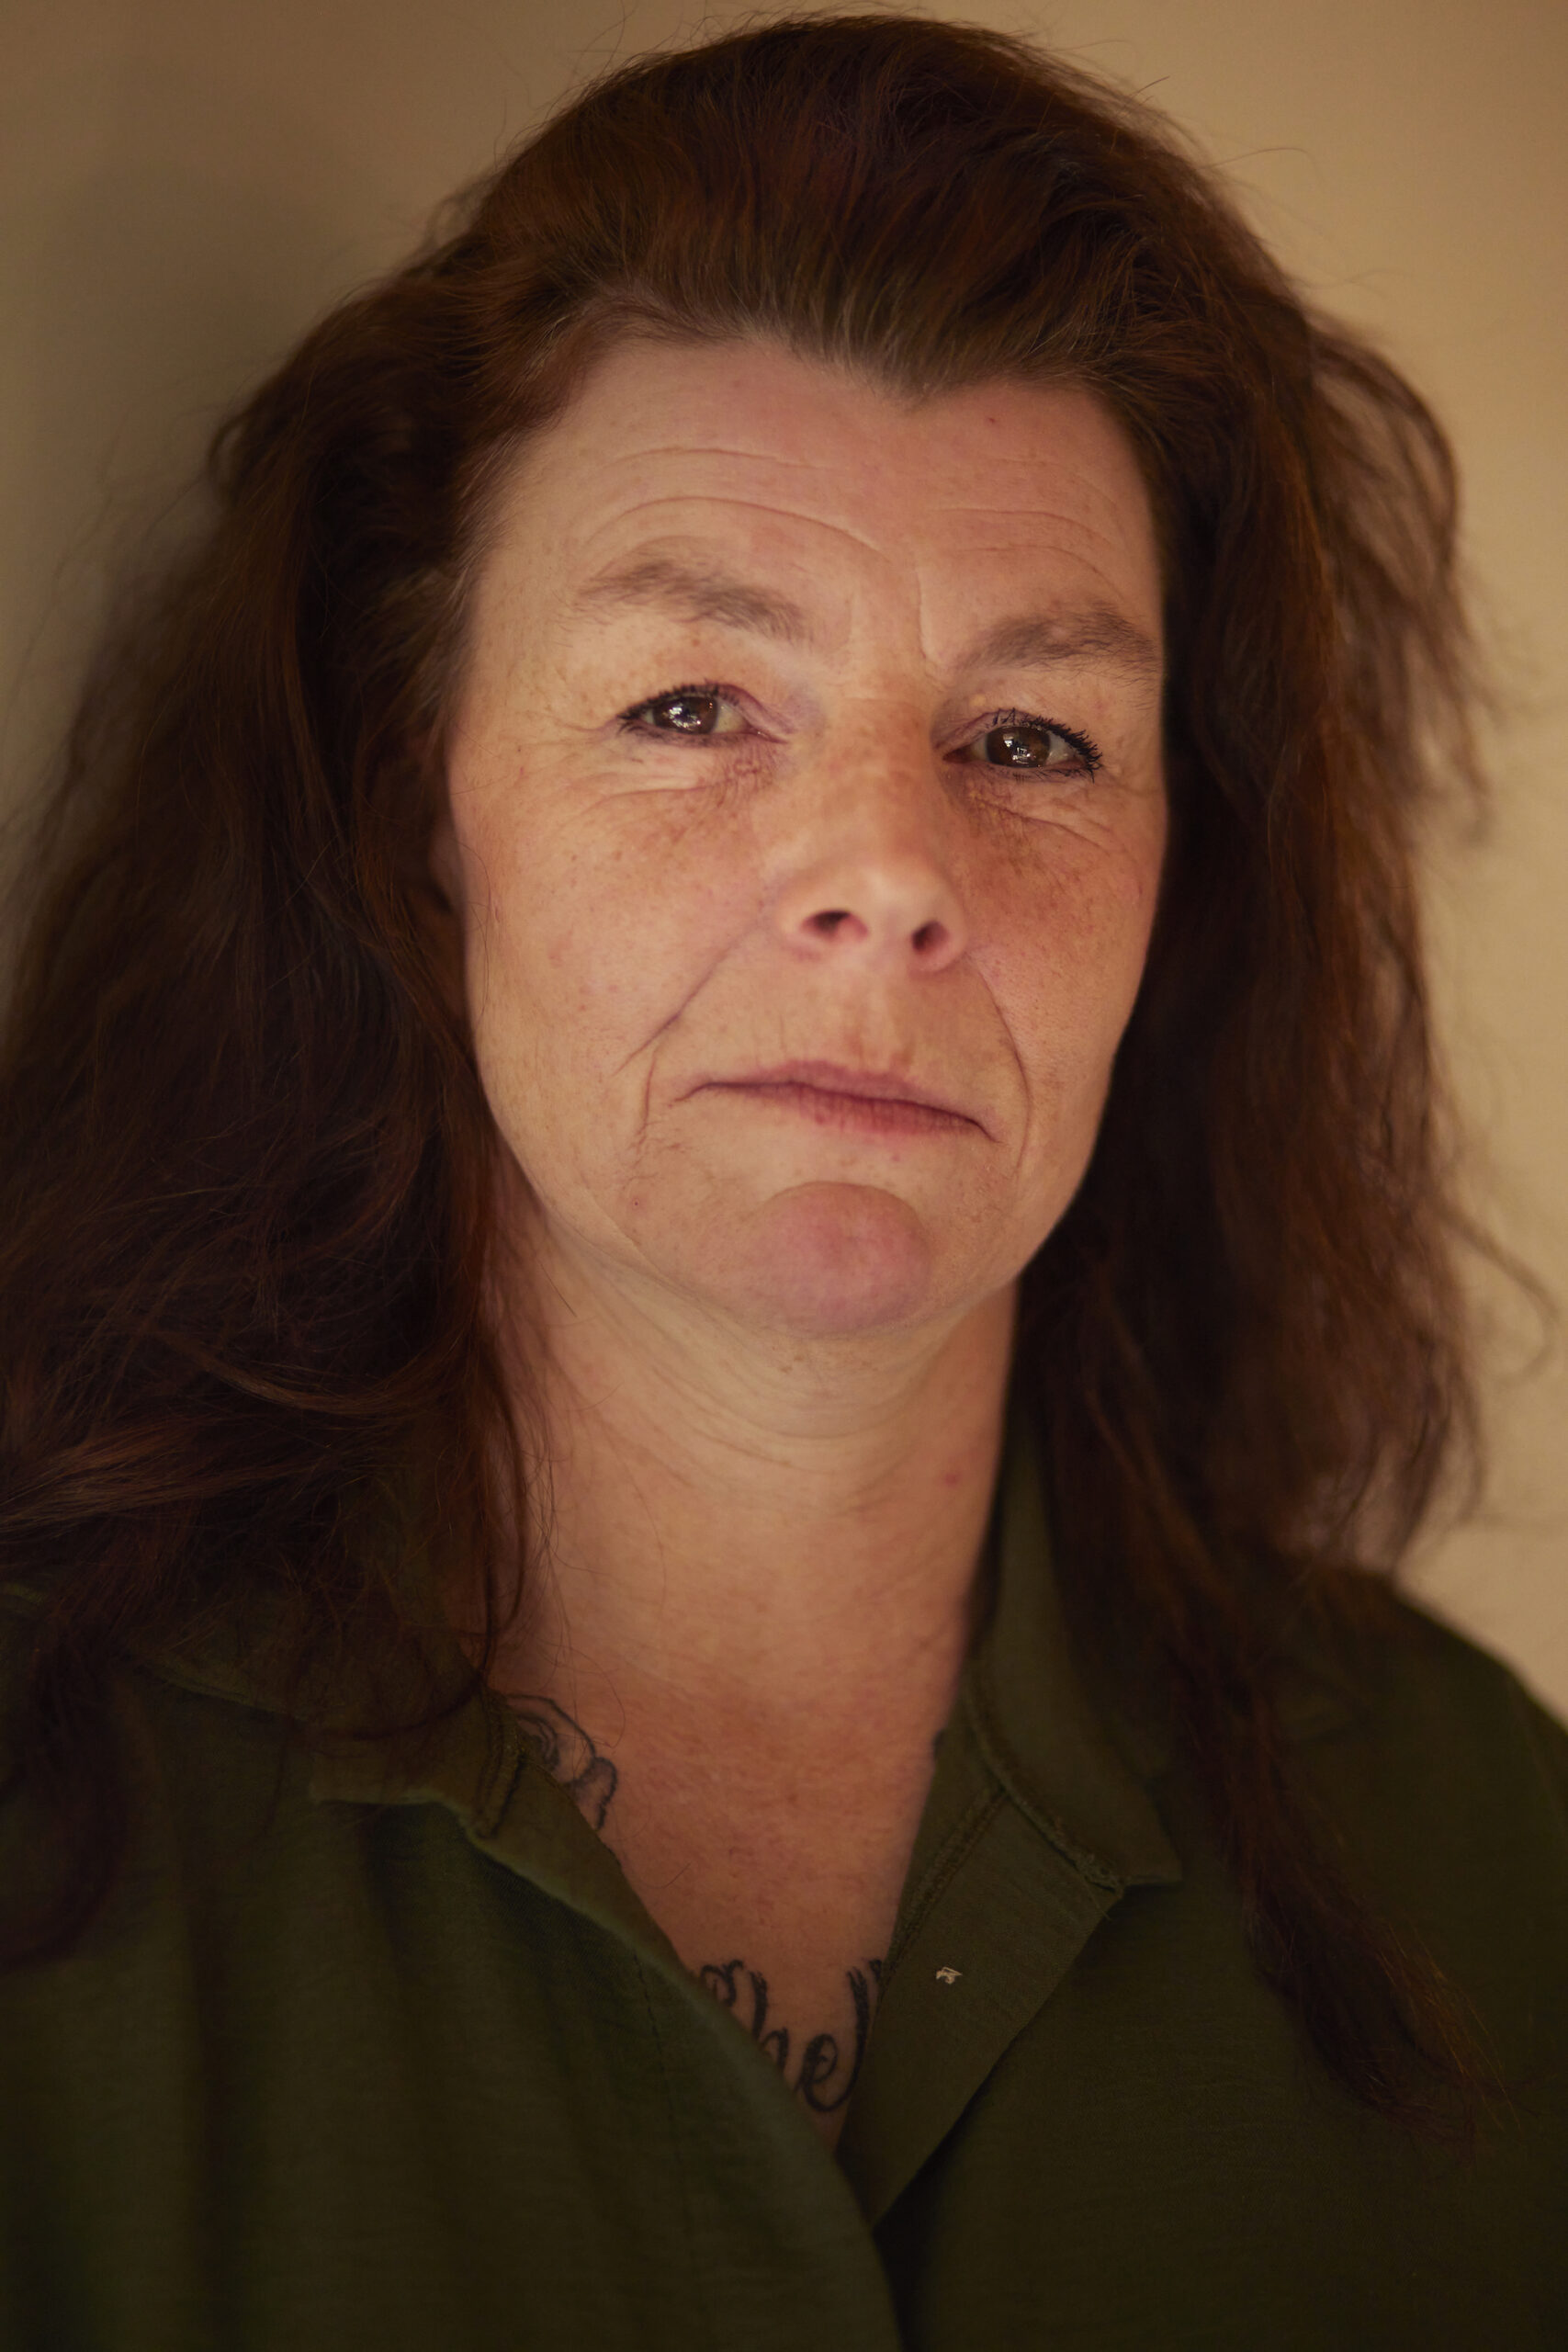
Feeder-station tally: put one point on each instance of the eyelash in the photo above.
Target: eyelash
(999, 722)
(710, 692)
(994, 722)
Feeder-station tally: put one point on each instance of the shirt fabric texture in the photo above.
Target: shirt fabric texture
(356, 2063)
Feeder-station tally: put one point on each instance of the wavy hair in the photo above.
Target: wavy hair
(245, 1199)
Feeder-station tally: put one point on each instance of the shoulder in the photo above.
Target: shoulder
(1447, 1780)
(197, 1763)
(1434, 1698)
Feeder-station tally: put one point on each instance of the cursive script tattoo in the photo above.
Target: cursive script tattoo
(567, 1754)
(825, 2077)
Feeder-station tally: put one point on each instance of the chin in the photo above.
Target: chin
(827, 1260)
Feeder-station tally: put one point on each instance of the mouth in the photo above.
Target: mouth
(869, 1102)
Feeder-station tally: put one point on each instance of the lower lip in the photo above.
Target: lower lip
(867, 1114)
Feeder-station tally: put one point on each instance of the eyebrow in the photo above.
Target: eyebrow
(1026, 640)
(693, 594)
(1089, 633)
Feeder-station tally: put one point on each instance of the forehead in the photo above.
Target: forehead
(833, 482)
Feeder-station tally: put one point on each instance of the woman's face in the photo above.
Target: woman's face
(806, 816)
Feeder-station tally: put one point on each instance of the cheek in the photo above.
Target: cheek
(593, 921)
(1068, 943)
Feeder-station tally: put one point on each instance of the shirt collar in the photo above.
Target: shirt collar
(1075, 1767)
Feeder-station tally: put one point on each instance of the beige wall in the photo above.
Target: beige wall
(183, 183)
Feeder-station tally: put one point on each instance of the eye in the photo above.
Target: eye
(686, 711)
(1015, 738)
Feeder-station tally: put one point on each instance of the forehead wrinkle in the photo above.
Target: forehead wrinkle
(683, 544)
(667, 575)
(763, 452)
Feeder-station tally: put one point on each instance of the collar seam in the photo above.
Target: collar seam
(954, 1850)
(1003, 1763)
(507, 1770)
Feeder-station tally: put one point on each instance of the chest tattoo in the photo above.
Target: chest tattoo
(823, 2068)
(825, 2073)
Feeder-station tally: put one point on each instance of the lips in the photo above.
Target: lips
(849, 1085)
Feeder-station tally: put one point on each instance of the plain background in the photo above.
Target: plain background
(186, 183)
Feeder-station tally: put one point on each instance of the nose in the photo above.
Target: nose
(872, 883)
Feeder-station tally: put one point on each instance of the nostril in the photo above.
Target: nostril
(829, 921)
(930, 935)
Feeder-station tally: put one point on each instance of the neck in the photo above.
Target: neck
(748, 1518)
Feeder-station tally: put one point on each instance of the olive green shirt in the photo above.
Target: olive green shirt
(355, 2066)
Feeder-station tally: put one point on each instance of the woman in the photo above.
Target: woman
(747, 930)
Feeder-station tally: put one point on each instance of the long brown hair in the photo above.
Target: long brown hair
(245, 1209)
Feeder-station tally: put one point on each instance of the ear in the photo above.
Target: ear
(432, 881)
(444, 875)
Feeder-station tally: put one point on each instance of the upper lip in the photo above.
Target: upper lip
(835, 1078)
